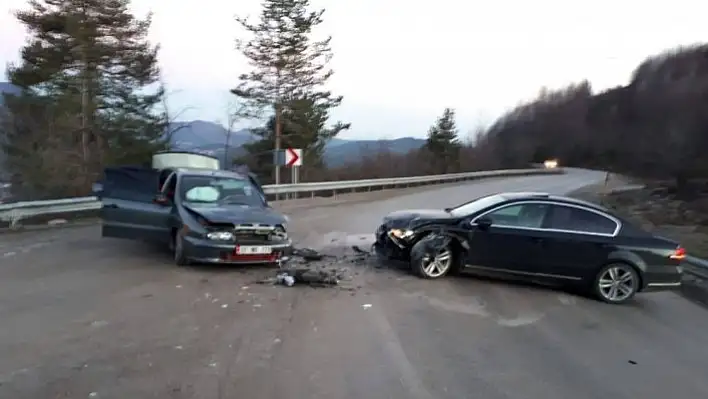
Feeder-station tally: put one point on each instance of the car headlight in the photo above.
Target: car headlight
(220, 236)
(401, 233)
(279, 233)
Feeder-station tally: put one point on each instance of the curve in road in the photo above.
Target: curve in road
(88, 317)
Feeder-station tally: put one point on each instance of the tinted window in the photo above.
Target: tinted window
(575, 219)
(522, 215)
(128, 183)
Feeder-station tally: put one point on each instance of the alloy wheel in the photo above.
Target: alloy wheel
(617, 283)
(437, 265)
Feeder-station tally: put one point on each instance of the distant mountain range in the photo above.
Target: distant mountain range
(208, 137)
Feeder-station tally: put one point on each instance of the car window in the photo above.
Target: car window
(580, 220)
(202, 194)
(529, 215)
(129, 184)
(476, 205)
(219, 191)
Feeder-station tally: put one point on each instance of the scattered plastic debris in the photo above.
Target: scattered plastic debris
(316, 269)
(366, 305)
(308, 254)
(360, 251)
(290, 277)
(285, 279)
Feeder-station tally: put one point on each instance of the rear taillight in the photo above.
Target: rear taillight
(678, 254)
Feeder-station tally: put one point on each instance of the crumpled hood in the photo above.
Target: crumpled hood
(238, 214)
(403, 218)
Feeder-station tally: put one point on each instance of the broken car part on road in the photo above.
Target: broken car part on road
(316, 272)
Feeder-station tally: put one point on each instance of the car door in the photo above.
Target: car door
(128, 208)
(512, 242)
(579, 241)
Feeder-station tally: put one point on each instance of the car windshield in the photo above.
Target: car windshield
(476, 205)
(219, 191)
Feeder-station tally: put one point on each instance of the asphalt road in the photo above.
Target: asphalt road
(85, 317)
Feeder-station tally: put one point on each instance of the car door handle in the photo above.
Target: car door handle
(537, 240)
(111, 206)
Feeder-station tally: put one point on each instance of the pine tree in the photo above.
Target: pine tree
(303, 125)
(90, 72)
(289, 72)
(443, 144)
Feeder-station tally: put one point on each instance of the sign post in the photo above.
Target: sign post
(293, 160)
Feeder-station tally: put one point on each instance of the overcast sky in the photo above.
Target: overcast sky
(399, 63)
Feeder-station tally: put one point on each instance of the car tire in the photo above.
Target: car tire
(616, 283)
(423, 262)
(178, 251)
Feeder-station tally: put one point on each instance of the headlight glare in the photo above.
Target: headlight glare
(279, 233)
(220, 236)
(401, 233)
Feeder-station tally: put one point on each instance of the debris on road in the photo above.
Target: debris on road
(308, 254)
(360, 251)
(316, 269)
(322, 269)
(286, 279)
(366, 305)
(290, 277)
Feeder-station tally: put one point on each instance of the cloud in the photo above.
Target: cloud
(399, 63)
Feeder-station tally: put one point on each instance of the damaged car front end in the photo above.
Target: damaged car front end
(247, 243)
(401, 230)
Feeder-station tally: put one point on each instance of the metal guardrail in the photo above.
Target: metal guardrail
(697, 267)
(13, 213)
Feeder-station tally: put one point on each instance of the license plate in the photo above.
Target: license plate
(253, 250)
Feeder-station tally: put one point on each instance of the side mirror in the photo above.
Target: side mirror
(161, 199)
(484, 223)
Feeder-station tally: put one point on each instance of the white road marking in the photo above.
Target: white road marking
(567, 299)
(23, 249)
(520, 321)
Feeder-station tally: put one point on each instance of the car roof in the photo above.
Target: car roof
(515, 196)
(209, 172)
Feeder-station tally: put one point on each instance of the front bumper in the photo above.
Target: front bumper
(202, 250)
(385, 246)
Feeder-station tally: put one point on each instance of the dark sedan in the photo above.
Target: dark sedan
(202, 215)
(534, 236)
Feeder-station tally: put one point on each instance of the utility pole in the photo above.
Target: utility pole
(278, 133)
